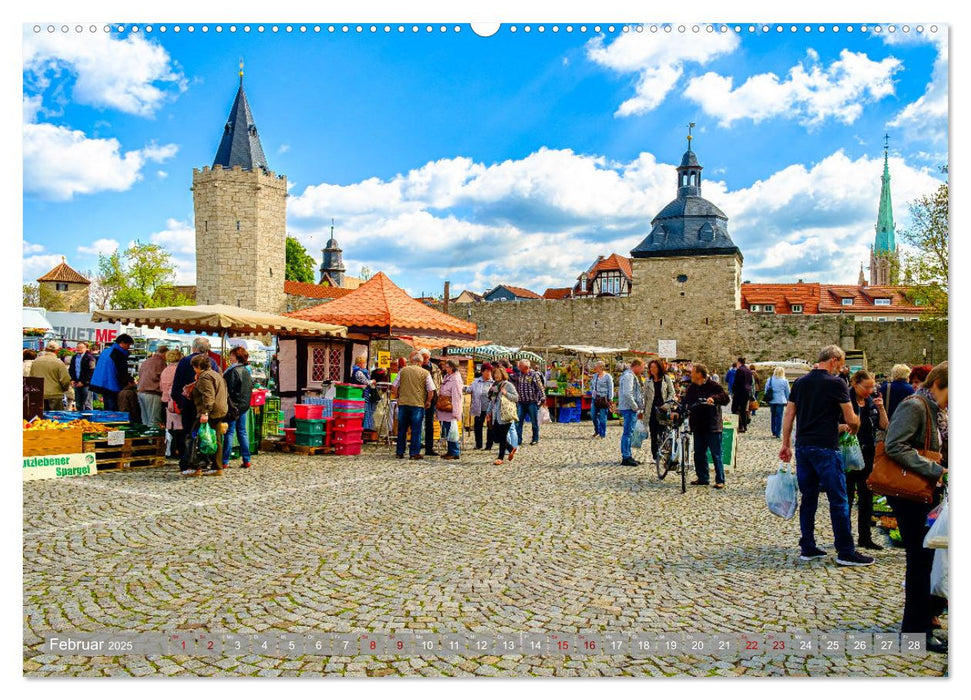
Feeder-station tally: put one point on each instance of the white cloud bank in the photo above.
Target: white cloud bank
(540, 220)
(132, 75)
(658, 59)
(810, 93)
(60, 162)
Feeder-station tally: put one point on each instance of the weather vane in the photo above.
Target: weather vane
(240, 69)
(691, 125)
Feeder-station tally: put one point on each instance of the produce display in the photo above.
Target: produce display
(85, 425)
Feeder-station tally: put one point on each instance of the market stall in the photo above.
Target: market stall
(567, 384)
(310, 352)
(378, 311)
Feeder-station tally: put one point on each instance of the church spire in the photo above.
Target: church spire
(885, 239)
(240, 144)
(332, 264)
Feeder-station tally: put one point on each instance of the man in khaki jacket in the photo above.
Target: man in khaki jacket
(414, 388)
(57, 380)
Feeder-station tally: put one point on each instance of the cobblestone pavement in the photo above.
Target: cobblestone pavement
(563, 539)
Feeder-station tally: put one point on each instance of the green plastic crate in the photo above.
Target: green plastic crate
(311, 427)
(353, 393)
(310, 440)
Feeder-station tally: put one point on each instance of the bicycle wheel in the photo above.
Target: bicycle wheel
(685, 451)
(663, 461)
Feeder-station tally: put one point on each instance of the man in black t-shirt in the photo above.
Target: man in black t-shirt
(817, 402)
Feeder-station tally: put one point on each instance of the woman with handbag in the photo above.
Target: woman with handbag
(503, 412)
(777, 396)
(658, 390)
(914, 444)
(448, 407)
(601, 395)
(868, 405)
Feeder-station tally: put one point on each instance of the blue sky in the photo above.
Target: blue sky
(516, 158)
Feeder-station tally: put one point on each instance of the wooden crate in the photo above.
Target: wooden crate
(52, 442)
(135, 453)
(304, 449)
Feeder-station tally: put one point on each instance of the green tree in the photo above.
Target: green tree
(300, 265)
(927, 262)
(141, 277)
(31, 295)
(44, 297)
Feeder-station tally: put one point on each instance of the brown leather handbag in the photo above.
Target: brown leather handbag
(444, 403)
(890, 479)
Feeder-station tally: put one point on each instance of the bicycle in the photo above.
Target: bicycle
(676, 443)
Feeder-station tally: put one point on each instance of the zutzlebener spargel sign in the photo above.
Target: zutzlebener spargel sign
(59, 466)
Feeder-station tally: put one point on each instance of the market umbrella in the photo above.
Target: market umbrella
(219, 318)
(527, 355)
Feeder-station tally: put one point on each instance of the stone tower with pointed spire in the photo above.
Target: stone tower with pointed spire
(241, 220)
(884, 261)
(687, 270)
(332, 264)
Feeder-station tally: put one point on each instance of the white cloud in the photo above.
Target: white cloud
(36, 265)
(539, 220)
(178, 237)
(284, 147)
(60, 162)
(102, 246)
(658, 60)
(32, 105)
(161, 174)
(809, 93)
(927, 117)
(132, 75)
(31, 248)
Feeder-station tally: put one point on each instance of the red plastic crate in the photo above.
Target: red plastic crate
(348, 448)
(290, 436)
(258, 398)
(344, 422)
(306, 411)
(344, 437)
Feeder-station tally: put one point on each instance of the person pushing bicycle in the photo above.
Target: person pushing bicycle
(702, 402)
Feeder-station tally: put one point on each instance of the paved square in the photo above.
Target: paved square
(562, 540)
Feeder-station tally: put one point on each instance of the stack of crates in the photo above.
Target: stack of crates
(272, 418)
(348, 421)
(311, 427)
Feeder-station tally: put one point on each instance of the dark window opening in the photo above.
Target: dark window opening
(237, 226)
(682, 279)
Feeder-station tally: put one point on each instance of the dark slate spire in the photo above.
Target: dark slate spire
(332, 263)
(689, 225)
(240, 144)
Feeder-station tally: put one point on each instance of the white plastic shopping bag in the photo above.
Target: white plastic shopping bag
(939, 573)
(639, 434)
(512, 437)
(782, 492)
(544, 415)
(936, 537)
(453, 431)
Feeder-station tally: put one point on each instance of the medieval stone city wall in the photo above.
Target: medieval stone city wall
(240, 220)
(623, 322)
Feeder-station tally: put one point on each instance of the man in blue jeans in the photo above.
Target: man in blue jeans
(413, 388)
(532, 392)
(630, 404)
(817, 402)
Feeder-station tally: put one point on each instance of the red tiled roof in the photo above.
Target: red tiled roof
(64, 273)
(557, 293)
(379, 307)
(783, 296)
(314, 291)
(863, 300)
(522, 292)
(614, 262)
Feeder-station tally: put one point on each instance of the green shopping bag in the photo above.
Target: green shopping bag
(207, 440)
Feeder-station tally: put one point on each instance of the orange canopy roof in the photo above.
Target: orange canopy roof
(314, 291)
(381, 308)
